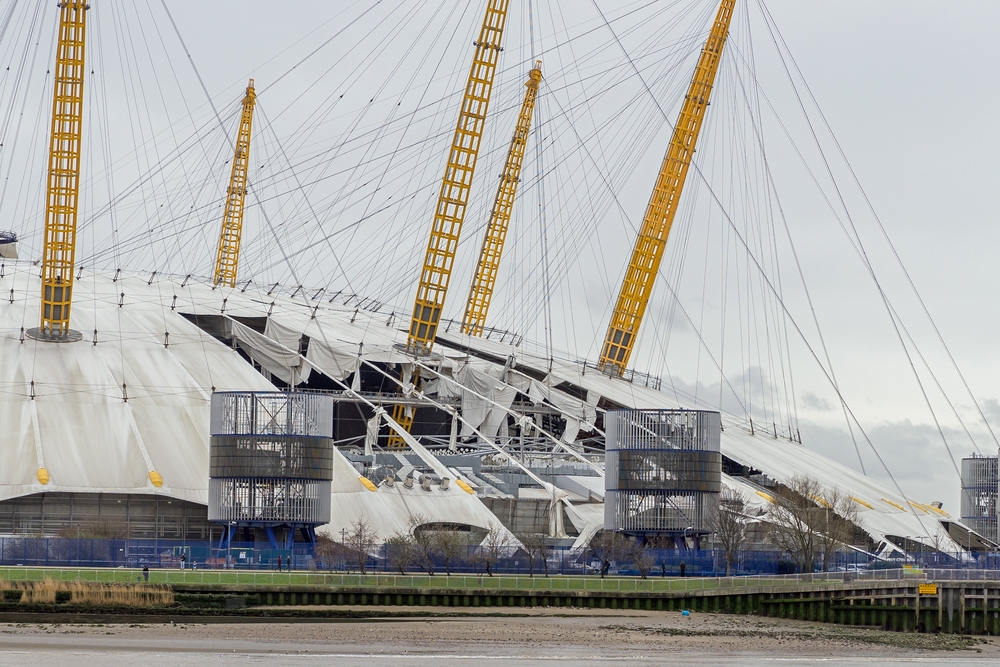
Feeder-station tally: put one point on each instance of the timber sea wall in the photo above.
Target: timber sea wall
(958, 607)
(904, 600)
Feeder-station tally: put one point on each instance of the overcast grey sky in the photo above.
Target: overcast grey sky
(357, 102)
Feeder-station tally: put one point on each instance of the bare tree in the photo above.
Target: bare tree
(532, 545)
(451, 545)
(839, 523)
(425, 548)
(331, 552)
(608, 547)
(360, 540)
(536, 548)
(494, 546)
(729, 524)
(642, 557)
(399, 552)
(807, 519)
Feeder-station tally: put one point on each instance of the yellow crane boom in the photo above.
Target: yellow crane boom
(227, 258)
(63, 188)
(648, 251)
(453, 196)
(484, 280)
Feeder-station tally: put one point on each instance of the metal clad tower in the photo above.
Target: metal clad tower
(979, 495)
(663, 471)
(271, 464)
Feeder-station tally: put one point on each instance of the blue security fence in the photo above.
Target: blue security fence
(84, 552)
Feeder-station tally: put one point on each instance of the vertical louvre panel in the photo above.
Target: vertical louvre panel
(663, 470)
(271, 458)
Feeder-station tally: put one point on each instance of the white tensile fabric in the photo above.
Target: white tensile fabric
(132, 397)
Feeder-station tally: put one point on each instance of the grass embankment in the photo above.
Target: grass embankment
(410, 581)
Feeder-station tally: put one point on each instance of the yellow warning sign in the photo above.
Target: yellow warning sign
(928, 589)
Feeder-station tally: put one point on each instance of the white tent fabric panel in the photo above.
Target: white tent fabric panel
(279, 360)
(779, 459)
(88, 437)
(91, 440)
(390, 510)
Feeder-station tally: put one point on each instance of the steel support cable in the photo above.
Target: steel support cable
(21, 70)
(128, 57)
(815, 180)
(171, 128)
(683, 310)
(937, 383)
(756, 214)
(582, 145)
(588, 107)
(424, 367)
(403, 433)
(336, 258)
(105, 134)
(865, 260)
(888, 240)
(167, 255)
(798, 265)
(635, 68)
(175, 231)
(798, 329)
(213, 108)
(805, 341)
(633, 296)
(350, 24)
(187, 53)
(410, 119)
(199, 78)
(136, 185)
(784, 308)
(540, 194)
(378, 131)
(354, 136)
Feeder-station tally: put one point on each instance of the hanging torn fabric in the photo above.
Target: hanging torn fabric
(277, 359)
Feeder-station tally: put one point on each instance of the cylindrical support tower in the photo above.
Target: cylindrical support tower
(979, 495)
(271, 461)
(663, 471)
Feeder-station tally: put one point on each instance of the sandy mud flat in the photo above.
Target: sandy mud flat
(528, 638)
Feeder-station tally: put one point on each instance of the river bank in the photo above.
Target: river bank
(527, 637)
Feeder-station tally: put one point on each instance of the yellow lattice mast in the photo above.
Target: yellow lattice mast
(227, 259)
(648, 252)
(453, 196)
(484, 280)
(63, 188)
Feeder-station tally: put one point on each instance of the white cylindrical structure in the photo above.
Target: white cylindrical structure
(271, 458)
(663, 471)
(979, 495)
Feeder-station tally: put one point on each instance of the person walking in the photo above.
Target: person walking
(145, 573)
(279, 562)
(683, 567)
(183, 560)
